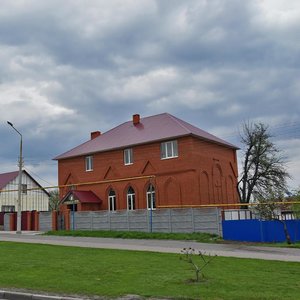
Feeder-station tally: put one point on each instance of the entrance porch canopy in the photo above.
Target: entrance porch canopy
(74, 197)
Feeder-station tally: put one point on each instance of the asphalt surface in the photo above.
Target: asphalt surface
(166, 246)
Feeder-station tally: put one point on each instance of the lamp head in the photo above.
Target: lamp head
(10, 124)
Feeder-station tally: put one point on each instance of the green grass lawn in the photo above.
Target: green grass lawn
(86, 271)
(196, 236)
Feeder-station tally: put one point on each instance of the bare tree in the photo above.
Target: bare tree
(54, 200)
(296, 206)
(263, 166)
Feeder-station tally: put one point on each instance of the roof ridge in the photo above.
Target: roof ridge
(179, 122)
(9, 172)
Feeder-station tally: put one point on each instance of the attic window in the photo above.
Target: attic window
(89, 163)
(169, 149)
(24, 188)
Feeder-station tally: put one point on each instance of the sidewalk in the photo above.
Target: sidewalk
(11, 295)
(26, 296)
(167, 246)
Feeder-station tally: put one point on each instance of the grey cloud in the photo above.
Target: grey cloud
(90, 67)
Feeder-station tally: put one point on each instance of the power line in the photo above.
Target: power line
(39, 177)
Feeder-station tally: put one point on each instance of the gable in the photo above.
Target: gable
(7, 178)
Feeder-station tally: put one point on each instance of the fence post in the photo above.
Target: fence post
(193, 219)
(170, 220)
(219, 221)
(128, 226)
(109, 219)
(54, 220)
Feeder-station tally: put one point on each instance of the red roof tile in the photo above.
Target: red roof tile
(6, 178)
(155, 128)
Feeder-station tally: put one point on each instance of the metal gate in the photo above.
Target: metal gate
(61, 221)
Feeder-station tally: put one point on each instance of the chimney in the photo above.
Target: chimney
(136, 119)
(95, 134)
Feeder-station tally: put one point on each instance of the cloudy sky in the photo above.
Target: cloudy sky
(71, 67)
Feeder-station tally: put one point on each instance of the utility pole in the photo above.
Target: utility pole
(19, 209)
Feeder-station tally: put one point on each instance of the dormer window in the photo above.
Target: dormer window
(169, 149)
(89, 163)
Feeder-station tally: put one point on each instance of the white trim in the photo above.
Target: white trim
(169, 149)
(128, 156)
(130, 198)
(151, 192)
(89, 163)
(112, 198)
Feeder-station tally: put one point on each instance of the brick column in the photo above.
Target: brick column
(36, 223)
(12, 221)
(28, 221)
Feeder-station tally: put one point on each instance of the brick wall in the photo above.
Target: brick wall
(203, 173)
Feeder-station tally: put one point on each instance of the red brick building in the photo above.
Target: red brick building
(150, 162)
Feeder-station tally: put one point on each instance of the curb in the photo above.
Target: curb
(27, 296)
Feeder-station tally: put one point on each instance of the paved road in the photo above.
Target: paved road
(229, 250)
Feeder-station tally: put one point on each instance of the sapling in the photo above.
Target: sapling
(189, 255)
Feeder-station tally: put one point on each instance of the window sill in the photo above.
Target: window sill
(164, 158)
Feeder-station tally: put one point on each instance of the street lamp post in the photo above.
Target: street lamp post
(19, 212)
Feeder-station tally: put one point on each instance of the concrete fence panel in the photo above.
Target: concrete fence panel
(6, 225)
(82, 220)
(100, 220)
(45, 219)
(138, 220)
(160, 220)
(208, 220)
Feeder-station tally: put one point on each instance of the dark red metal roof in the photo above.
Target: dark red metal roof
(6, 178)
(83, 197)
(155, 128)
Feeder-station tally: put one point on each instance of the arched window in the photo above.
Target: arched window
(150, 195)
(112, 200)
(130, 199)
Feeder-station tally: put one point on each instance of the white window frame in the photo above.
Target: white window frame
(130, 199)
(112, 201)
(150, 196)
(89, 160)
(128, 156)
(169, 149)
